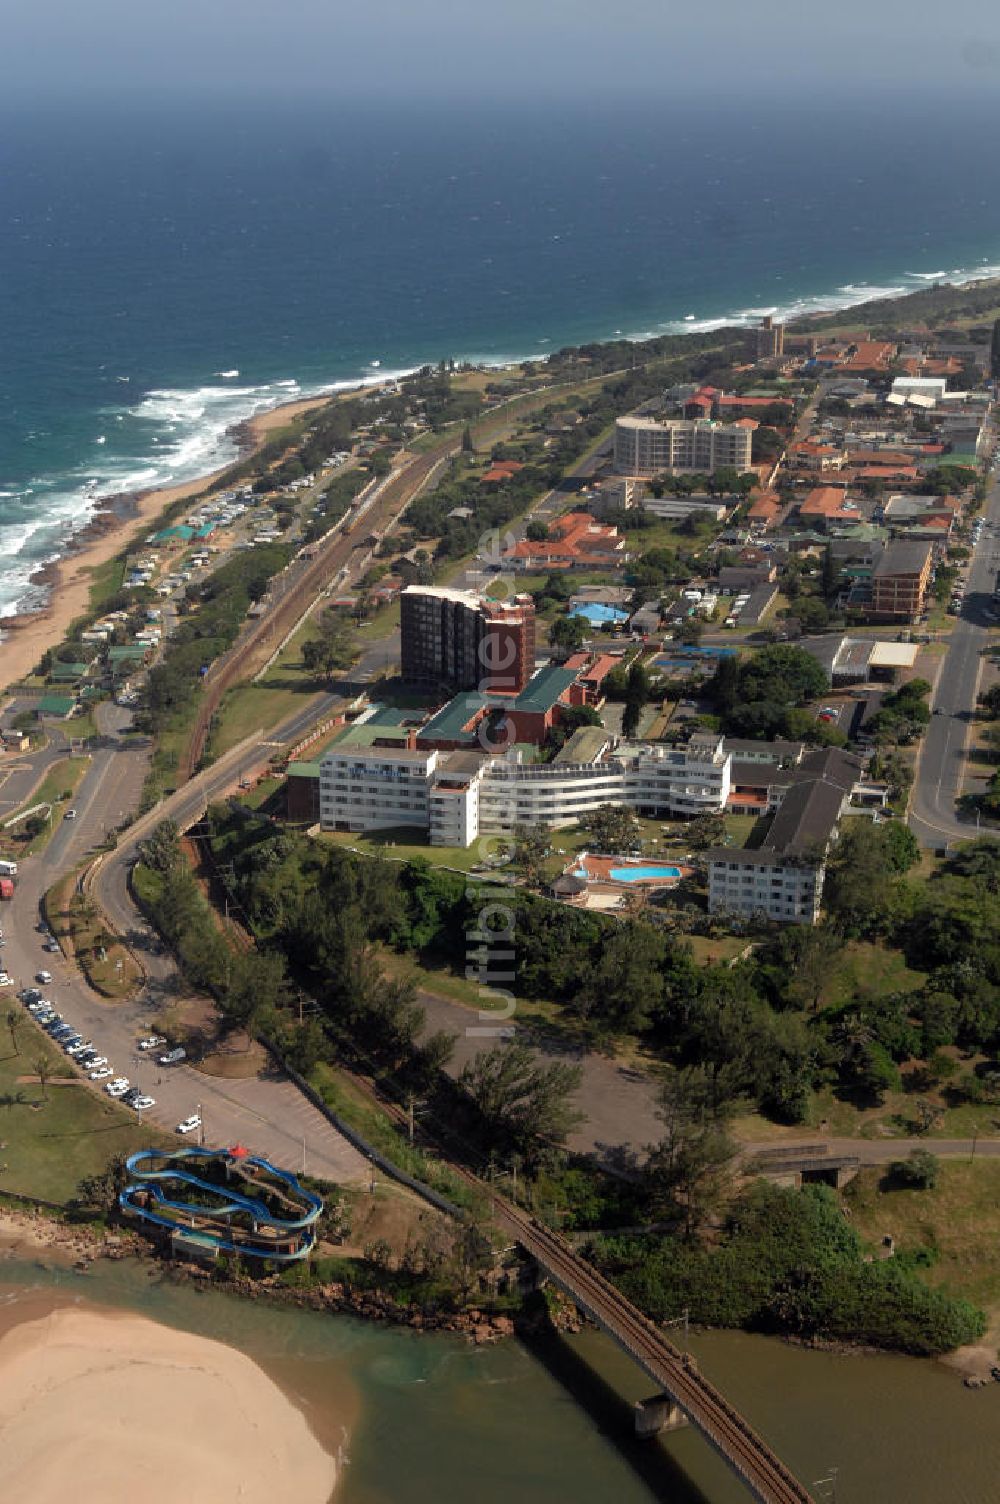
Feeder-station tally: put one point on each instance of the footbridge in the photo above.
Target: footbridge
(687, 1394)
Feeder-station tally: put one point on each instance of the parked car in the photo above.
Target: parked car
(152, 1043)
(141, 1103)
(70, 814)
(6, 980)
(51, 945)
(101, 1073)
(118, 1087)
(44, 977)
(189, 1124)
(173, 1057)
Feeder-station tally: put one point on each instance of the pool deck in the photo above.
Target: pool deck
(598, 871)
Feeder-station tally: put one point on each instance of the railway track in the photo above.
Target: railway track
(740, 1447)
(240, 662)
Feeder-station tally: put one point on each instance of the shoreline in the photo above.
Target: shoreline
(192, 1416)
(117, 523)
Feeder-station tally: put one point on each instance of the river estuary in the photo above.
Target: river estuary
(419, 1418)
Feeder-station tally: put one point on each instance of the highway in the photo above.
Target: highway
(933, 816)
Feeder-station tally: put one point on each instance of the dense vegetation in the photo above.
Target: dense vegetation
(788, 1261)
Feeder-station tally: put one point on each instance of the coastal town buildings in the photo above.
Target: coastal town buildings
(900, 580)
(464, 641)
(651, 446)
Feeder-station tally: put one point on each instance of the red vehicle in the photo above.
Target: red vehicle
(6, 887)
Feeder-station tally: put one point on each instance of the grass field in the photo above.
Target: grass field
(959, 1219)
(48, 1146)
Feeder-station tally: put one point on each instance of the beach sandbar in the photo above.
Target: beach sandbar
(103, 1406)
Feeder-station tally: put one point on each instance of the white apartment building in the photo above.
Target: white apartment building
(782, 881)
(375, 788)
(650, 446)
(455, 796)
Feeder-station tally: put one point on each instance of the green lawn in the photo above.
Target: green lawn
(48, 1146)
(959, 1218)
(63, 779)
(405, 845)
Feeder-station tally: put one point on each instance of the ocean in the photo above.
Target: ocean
(167, 273)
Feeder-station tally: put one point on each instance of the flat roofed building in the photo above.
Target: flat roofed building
(900, 580)
(650, 446)
(375, 788)
(456, 638)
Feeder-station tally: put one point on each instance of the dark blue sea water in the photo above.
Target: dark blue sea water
(144, 254)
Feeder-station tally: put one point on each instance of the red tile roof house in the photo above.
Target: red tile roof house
(727, 407)
(828, 504)
(809, 455)
(898, 474)
(575, 541)
(500, 472)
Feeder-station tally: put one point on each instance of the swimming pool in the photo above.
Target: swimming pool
(641, 874)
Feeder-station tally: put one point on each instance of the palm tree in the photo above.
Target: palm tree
(13, 1024)
(43, 1071)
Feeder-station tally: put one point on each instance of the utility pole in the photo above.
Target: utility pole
(201, 1128)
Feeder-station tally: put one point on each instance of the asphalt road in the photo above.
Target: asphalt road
(267, 1113)
(933, 816)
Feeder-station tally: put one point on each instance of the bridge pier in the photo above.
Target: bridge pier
(659, 1413)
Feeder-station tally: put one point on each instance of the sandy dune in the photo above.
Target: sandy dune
(102, 1406)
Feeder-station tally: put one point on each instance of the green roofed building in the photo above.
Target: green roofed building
(180, 534)
(67, 673)
(455, 725)
(60, 706)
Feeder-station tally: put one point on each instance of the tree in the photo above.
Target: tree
(631, 716)
(520, 1101)
(43, 1070)
(568, 633)
(918, 1172)
(531, 846)
(536, 532)
(100, 1192)
(468, 447)
(14, 1020)
(687, 1171)
(623, 990)
(333, 649)
(612, 828)
(706, 830)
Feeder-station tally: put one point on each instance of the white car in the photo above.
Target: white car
(5, 980)
(190, 1124)
(141, 1103)
(118, 1087)
(173, 1057)
(80, 1047)
(152, 1043)
(43, 976)
(98, 1063)
(102, 1074)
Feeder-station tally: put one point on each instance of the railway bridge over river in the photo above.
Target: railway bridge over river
(686, 1393)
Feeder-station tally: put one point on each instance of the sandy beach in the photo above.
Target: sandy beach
(101, 1406)
(69, 580)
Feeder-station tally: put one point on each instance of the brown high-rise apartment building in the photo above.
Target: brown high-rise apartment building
(456, 639)
(770, 338)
